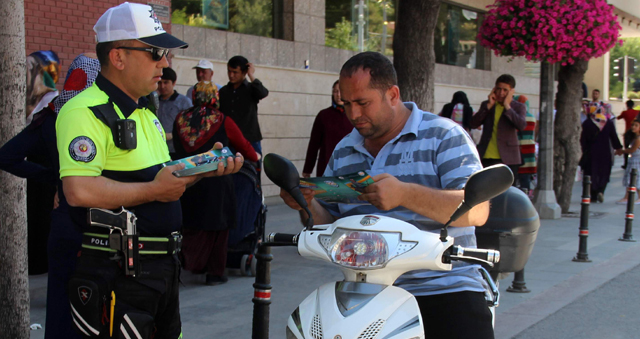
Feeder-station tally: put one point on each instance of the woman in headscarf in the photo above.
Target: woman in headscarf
(39, 168)
(37, 143)
(597, 138)
(458, 110)
(330, 126)
(209, 206)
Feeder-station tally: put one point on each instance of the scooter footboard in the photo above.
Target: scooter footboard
(351, 310)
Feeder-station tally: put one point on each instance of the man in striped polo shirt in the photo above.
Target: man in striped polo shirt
(420, 163)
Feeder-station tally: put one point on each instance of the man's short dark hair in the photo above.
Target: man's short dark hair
(506, 79)
(630, 104)
(103, 49)
(383, 75)
(239, 61)
(596, 90)
(169, 74)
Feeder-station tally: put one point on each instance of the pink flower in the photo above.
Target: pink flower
(558, 31)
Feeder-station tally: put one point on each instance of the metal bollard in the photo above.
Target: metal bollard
(582, 255)
(262, 293)
(631, 199)
(518, 285)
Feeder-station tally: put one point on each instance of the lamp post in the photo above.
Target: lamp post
(361, 23)
(383, 39)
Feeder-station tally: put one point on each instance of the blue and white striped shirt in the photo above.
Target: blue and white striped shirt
(431, 151)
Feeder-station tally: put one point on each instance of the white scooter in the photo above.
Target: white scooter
(372, 252)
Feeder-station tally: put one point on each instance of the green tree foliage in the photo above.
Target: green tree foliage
(631, 48)
(180, 17)
(253, 17)
(341, 32)
(340, 36)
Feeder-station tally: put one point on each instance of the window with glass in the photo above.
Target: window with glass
(368, 25)
(455, 37)
(255, 17)
(360, 25)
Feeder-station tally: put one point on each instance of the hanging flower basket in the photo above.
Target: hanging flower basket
(550, 30)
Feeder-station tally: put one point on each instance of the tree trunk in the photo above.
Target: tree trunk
(414, 57)
(567, 128)
(14, 283)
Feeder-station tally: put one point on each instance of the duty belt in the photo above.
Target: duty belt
(146, 245)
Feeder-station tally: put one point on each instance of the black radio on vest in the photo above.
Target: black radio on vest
(123, 130)
(126, 134)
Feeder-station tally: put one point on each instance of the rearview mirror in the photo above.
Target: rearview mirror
(481, 186)
(281, 171)
(285, 175)
(487, 184)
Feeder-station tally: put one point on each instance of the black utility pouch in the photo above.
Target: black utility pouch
(90, 297)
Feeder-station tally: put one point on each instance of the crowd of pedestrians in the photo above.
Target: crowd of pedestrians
(510, 131)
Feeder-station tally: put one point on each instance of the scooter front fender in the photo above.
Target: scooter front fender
(352, 310)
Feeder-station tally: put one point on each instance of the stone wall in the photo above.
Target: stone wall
(220, 45)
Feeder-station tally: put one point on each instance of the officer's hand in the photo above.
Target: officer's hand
(386, 193)
(168, 187)
(233, 165)
(288, 199)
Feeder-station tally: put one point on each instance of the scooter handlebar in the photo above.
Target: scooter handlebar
(283, 238)
(462, 253)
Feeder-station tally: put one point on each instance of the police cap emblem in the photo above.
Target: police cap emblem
(369, 220)
(82, 149)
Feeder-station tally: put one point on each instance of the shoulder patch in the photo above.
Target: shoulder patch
(82, 149)
(159, 127)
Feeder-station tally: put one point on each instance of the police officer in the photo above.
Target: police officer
(101, 167)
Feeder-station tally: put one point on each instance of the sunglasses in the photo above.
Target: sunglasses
(156, 53)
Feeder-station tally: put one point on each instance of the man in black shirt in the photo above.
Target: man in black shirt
(239, 99)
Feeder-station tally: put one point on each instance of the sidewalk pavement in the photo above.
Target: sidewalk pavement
(553, 278)
(224, 311)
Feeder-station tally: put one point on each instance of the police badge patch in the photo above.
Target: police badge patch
(82, 149)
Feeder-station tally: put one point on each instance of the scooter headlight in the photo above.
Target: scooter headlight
(359, 249)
